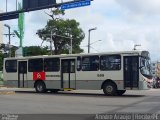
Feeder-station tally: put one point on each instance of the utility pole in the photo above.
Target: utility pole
(51, 43)
(89, 38)
(16, 4)
(9, 36)
(6, 5)
(71, 46)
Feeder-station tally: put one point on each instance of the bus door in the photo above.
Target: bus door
(68, 75)
(22, 74)
(131, 71)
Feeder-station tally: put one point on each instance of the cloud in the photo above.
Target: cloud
(140, 10)
(148, 7)
(120, 24)
(11, 5)
(127, 23)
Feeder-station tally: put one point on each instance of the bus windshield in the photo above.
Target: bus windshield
(145, 67)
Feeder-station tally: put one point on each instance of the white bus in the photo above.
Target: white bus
(114, 72)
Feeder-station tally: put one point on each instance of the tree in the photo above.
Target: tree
(13, 50)
(62, 30)
(1, 61)
(35, 50)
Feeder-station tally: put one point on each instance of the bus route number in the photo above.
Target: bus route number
(100, 75)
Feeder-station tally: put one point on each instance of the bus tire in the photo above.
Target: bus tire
(40, 87)
(120, 92)
(109, 88)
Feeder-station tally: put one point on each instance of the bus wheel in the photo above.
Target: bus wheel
(109, 88)
(120, 92)
(40, 87)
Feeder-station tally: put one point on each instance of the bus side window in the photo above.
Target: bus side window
(94, 63)
(110, 62)
(11, 65)
(72, 67)
(65, 67)
(79, 63)
(85, 63)
(90, 63)
(51, 64)
(35, 65)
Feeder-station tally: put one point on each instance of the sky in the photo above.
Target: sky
(120, 24)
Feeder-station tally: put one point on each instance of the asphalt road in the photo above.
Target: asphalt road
(90, 103)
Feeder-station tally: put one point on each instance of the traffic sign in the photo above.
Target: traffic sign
(31, 5)
(75, 4)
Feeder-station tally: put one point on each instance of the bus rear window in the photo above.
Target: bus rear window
(11, 65)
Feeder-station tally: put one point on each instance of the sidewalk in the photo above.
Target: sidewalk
(5, 91)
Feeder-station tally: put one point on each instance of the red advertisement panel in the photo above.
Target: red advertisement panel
(39, 76)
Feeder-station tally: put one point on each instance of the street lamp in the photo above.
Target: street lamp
(9, 35)
(95, 42)
(9, 29)
(135, 46)
(89, 38)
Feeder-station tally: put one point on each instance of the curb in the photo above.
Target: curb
(4, 91)
(7, 92)
(2, 87)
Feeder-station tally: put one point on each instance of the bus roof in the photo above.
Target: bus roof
(81, 54)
